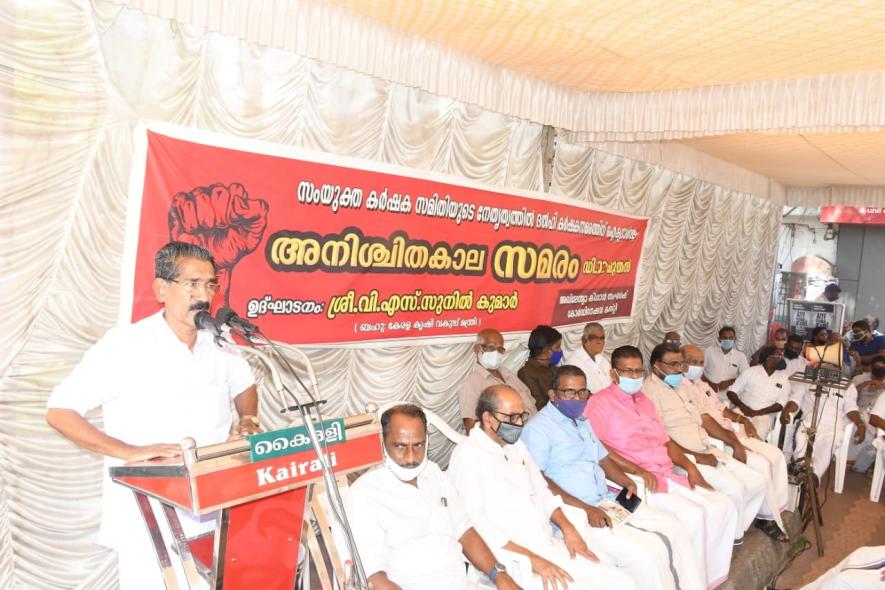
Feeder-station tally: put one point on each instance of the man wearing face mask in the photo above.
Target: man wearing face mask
(793, 354)
(870, 386)
(489, 370)
(724, 424)
(627, 423)
(591, 359)
(575, 464)
(545, 352)
(864, 345)
(830, 294)
(508, 500)
(762, 391)
(723, 363)
(409, 523)
(682, 419)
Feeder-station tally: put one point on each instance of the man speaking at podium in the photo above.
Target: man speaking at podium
(158, 381)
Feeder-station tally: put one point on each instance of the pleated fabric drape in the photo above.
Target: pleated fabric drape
(76, 75)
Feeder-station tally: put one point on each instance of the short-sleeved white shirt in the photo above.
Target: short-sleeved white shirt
(597, 370)
(720, 366)
(152, 389)
(758, 389)
(410, 533)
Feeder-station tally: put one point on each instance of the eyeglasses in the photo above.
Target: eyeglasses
(513, 418)
(681, 365)
(596, 338)
(574, 393)
(492, 348)
(191, 285)
(630, 372)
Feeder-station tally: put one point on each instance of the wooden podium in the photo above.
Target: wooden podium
(262, 504)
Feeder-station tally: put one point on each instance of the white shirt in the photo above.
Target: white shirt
(503, 491)
(410, 533)
(758, 389)
(152, 389)
(719, 366)
(796, 365)
(879, 406)
(834, 403)
(598, 370)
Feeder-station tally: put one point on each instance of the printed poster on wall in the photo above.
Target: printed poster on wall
(318, 249)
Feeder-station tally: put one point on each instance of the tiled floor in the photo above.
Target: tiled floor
(850, 521)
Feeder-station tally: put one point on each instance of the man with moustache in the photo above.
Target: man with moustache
(409, 523)
(158, 381)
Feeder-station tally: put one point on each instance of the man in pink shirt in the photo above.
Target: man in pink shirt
(626, 421)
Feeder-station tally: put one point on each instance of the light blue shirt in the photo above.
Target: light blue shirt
(568, 452)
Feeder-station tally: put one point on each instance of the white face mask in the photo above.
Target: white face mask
(694, 372)
(404, 473)
(491, 360)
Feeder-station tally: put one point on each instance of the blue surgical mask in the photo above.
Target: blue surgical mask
(726, 344)
(555, 358)
(694, 372)
(571, 408)
(673, 380)
(630, 385)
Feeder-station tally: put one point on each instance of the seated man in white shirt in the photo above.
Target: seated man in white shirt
(510, 504)
(723, 362)
(725, 425)
(671, 394)
(835, 409)
(761, 391)
(489, 370)
(650, 545)
(158, 381)
(409, 524)
(869, 385)
(590, 358)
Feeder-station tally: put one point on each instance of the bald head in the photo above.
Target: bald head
(489, 339)
(693, 355)
(672, 337)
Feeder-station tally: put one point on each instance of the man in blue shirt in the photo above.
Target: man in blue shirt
(650, 546)
(865, 345)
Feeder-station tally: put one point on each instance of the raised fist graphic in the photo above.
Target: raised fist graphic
(222, 219)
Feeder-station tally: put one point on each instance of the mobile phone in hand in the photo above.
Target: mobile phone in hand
(630, 504)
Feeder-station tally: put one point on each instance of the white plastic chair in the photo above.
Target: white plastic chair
(841, 455)
(879, 468)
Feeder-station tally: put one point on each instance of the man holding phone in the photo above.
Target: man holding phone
(576, 464)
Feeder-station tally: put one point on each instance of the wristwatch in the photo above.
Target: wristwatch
(496, 569)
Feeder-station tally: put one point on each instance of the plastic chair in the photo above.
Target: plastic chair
(879, 468)
(841, 456)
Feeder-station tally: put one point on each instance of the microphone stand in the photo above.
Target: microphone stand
(335, 501)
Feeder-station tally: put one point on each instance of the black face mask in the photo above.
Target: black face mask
(878, 373)
(791, 354)
(781, 365)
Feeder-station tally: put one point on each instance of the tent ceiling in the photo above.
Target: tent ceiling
(632, 46)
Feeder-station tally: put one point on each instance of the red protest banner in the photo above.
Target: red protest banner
(855, 215)
(317, 249)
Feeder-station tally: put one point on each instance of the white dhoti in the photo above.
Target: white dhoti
(587, 574)
(826, 443)
(769, 462)
(709, 519)
(686, 566)
(762, 424)
(644, 555)
(863, 569)
(743, 486)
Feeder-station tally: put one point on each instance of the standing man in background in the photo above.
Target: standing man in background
(723, 363)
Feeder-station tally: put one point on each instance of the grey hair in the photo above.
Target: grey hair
(488, 401)
(167, 258)
(590, 327)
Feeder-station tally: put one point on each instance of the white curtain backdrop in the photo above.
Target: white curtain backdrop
(74, 78)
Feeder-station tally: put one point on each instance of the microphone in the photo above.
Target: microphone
(203, 320)
(228, 316)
